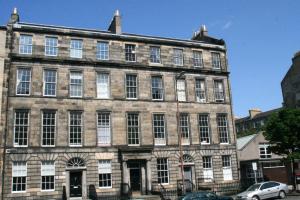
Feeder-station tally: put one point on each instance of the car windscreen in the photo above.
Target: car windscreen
(254, 187)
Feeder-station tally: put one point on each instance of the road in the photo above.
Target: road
(293, 198)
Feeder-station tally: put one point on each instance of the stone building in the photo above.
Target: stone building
(290, 84)
(90, 110)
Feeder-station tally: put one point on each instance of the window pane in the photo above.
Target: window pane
(155, 54)
(197, 59)
(184, 128)
(51, 47)
(21, 127)
(219, 91)
(216, 62)
(103, 85)
(178, 56)
(204, 129)
(200, 90)
(130, 54)
(157, 88)
(49, 82)
(162, 170)
(75, 128)
(131, 86)
(181, 90)
(159, 129)
(102, 50)
(104, 170)
(23, 81)
(25, 44)
(103, 129)
(75, 84)
(76, 49)
(48, 128)
(222, 128)
(19, 175)
(133, 129)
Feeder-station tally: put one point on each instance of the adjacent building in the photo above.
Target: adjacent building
(100, 111)
(252, 148)
(290, 84)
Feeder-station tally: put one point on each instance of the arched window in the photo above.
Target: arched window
(76, 162)
(187, 159)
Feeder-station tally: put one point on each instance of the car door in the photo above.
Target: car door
(265, 191)
(274, 189)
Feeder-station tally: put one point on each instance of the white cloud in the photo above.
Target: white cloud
(227, 25)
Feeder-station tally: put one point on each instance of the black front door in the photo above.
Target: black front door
(135, 179)
(75, 184)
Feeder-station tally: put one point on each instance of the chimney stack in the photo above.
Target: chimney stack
(115, 25)
(253, 112)
(203, 31)
(14, 18)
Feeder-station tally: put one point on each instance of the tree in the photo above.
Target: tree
(283, 133)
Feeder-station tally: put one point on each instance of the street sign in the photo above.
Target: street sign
(254, 166)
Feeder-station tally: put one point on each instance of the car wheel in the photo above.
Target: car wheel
(255, 198)
(282, 195)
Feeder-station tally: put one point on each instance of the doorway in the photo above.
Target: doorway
(76, 184)
(135, 176)
(188, 178)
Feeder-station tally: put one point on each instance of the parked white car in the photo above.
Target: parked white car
(264, 190)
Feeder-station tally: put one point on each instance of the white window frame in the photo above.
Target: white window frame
(204, 128)
(74, 85)
(133, 87)
(78, 127)
(163, 167)
(159, 128)
(227, 169)
(184, 127)
(52, 125)
(208, 174)
(24, 45)
(197, 59)
(200, 92)
(103, 86)
(47, 169)
(222, 125)
(25, 82)
(130, 52)
(103, 128)
(155, 55)
(178, 57)
(19, 170)
(130, 129)
(51, 48)
(219, 93)
(264, 152)
(105, 167)
(45, 83)
(21, 125)
(76, 48)
(102, 50)
(216, 60)
(157, 86)
(181, 89)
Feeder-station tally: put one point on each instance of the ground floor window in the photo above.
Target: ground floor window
(19, 175)
(163, 170)
(47, 174)
(227, 171)
(207, 169)
(104, 170)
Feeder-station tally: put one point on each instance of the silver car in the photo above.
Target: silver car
(264, 190)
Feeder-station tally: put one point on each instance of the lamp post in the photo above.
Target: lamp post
(177, 77)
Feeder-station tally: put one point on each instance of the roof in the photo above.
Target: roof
(259, 115)
(212, 43)
(243, 141)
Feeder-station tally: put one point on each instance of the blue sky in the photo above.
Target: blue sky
(261, 36)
